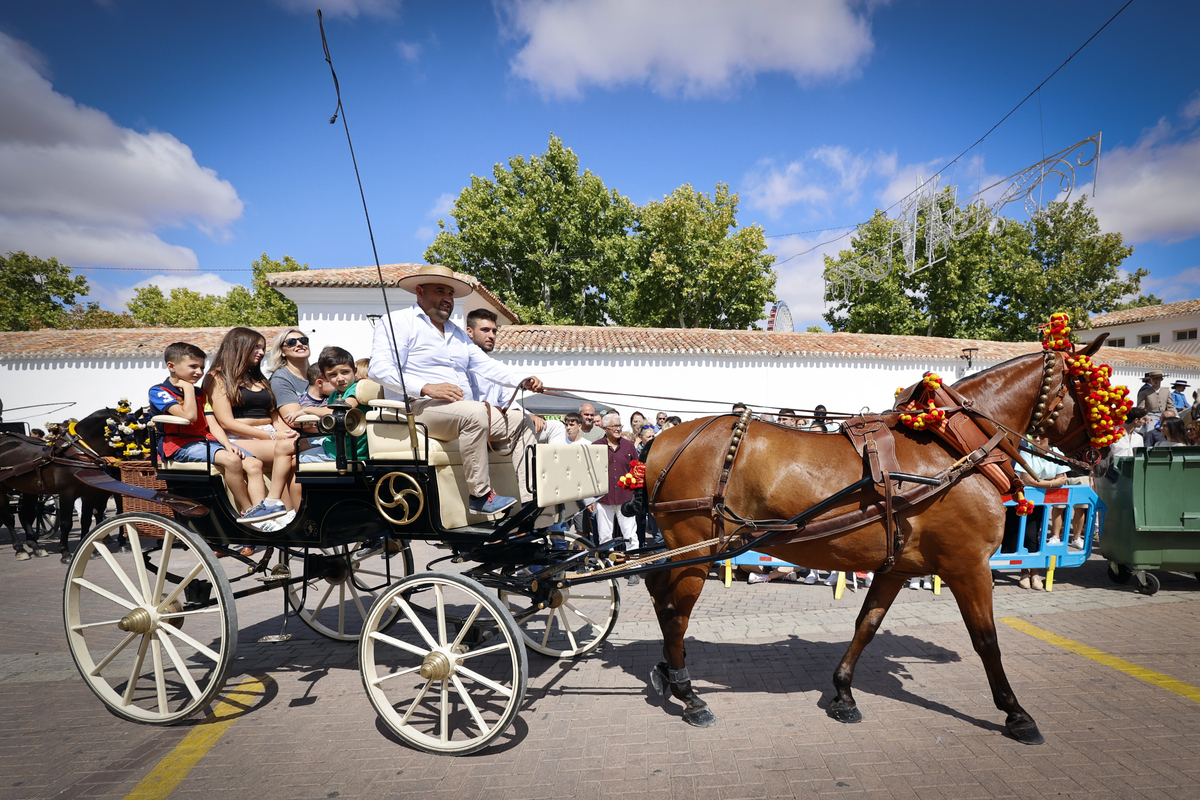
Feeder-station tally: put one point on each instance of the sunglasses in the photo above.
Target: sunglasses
(294, 341)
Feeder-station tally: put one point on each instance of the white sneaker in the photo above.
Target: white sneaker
(811, 577)
(267, 526)
(1054, 540)
(1076, 544)
(286, 519)
(927, 583)
(914, 583)
(832, 579)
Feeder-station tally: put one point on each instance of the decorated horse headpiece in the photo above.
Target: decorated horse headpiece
(1106, 405)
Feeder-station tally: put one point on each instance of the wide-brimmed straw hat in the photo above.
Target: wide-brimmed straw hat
(436, 273)
(1149, 375)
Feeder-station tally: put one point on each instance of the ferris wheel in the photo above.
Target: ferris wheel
(780, 320)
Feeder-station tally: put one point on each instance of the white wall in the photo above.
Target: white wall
(91, 384)
(1165, 327)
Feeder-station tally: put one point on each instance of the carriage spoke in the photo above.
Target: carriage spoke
(590, 596)
(168, 545)
(520, 618)
(402, 645)
(104, 593)
(118, 572)
(483, 651)
(441, 618)
(444, 733)
(136, 671)
(321, 604)
(78, 628)
(160, 683)
(362, 611)
(466, 696)
(171, 629)
(581, 615)
(562, 618)
(183, 584)
(196, 612)
(549, 627)
(379, 681)
(139, 564)
(416, 623)
(181, 668)
(416, 701)
(488, 682)
(116, 651)
(341, 609)
(466, 626)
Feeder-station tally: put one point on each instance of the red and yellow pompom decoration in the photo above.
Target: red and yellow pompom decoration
(1024, 507)
(635, 478)
(918, 416)
(1056, 334)
(1106, 404)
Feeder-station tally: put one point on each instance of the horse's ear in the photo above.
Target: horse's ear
(1091, 349)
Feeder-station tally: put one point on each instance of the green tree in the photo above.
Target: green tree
(692, 267)
(546, 238)
(89, 316)
(1141, 301)
(37, 292)
(260, 306)
(999, 282)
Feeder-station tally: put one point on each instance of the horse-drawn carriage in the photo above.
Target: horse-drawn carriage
(912, 491)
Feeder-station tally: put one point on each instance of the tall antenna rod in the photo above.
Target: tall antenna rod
(412, 432)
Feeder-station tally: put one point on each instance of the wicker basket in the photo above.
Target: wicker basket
(143, 474)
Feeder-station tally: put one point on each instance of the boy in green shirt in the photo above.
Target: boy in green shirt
(337, 365)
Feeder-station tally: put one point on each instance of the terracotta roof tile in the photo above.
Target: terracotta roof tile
(1144, 313)
(110, 342)
(573, 339)
(366, 277)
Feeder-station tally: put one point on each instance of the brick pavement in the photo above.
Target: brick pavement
(762, 656)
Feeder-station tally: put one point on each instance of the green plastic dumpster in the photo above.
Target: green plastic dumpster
(1153, 519)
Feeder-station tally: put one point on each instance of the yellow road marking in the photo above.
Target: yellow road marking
(1120, 664)
(171, 771)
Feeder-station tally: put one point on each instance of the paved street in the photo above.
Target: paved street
(762, 656)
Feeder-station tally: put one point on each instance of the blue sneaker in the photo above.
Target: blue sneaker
(491, 504)
(267, 509)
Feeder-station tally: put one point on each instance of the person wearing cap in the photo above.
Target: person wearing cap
(1154, 397)
(439, 360)
(1179, 396)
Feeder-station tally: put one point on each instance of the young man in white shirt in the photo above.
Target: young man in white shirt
(439, 362)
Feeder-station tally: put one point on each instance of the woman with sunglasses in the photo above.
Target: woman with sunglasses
(244, 405)
(287, 364)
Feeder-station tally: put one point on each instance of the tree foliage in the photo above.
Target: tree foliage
(547, 239)
(186, 308)
(998, 283)
(90, 316)
(37, 292)
(692, 268)
(559, 247)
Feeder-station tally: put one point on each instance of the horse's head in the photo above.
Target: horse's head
(1078, 409)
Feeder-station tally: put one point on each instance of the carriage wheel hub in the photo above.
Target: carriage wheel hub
(137, 621)
(556, 598)
(436, 667)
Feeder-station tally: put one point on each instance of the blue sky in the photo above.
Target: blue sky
(174, 142)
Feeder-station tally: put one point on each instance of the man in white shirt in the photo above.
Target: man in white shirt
(439, 361)
(482, 328)
(1133, 437)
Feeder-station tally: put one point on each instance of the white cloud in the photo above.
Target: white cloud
(772, 190)
(1183, 285)
(827, 176)
(84, 190)
(409, 51)
(202, 282)
(698, 47)
(1148, 192)
(441, 209)
(801, 282)
(343, 8)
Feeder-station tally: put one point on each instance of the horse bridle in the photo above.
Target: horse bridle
(1046, 411)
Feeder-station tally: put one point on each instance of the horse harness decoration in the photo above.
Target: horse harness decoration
(66, 450)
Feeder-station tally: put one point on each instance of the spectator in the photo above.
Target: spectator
(1042, 474)
(738, 408)
(659, 419)
(820, 421)
(1174, 433)
(621, 454)
(1153, 434)
(1153, 397)
(482, 329)
(674, 420)
(361, 367)
(788, 418)
(636, 420)
(1133, 437)
(647, 529)
(589, 429)
(1179, 396)
(585, 520)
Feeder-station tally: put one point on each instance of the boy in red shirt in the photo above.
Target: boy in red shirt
(202, 438)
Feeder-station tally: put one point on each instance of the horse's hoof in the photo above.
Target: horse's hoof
(1027, 733)
(701, 717)
(844, 712)
(66, 558)
(125, 548)
(95, 554)
(23, 556)
(658, 678)
(40, 552)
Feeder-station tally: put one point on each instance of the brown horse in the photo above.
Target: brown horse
(779, 472)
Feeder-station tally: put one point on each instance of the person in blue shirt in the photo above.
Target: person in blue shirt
(1179, 396)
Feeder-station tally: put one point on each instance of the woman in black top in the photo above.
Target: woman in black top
(243, 403)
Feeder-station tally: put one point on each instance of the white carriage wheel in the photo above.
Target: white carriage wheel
(155, 645)
(450, 674)
(336, 604)
(577, 619)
